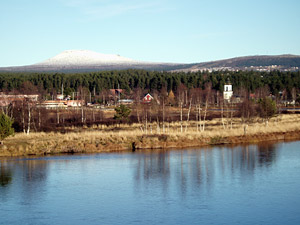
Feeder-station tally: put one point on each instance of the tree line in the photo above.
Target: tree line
(96, 82)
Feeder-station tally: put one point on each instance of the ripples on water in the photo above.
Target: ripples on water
(220, 185)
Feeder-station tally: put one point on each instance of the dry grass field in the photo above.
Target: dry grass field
(127, 137)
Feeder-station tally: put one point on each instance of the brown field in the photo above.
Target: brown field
(102, 138)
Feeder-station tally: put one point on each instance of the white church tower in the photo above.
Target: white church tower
(227, 94)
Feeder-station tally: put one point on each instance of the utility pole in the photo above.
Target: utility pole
(94, 94)
(62, 90)
(119, 92)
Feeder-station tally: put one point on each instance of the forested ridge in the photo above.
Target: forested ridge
(151, 81)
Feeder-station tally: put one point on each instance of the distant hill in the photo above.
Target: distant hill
(88, 61)
(258, 63)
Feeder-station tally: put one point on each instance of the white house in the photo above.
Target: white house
(227, 94)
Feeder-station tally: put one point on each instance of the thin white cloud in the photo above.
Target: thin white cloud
(99, 9)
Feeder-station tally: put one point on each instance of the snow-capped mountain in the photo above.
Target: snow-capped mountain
(88, 61)
(84, 58)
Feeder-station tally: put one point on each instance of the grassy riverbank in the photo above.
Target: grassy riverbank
(125, 137)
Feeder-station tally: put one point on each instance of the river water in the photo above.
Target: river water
(253, 184)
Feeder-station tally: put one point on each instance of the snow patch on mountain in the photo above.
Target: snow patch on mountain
(86, 57)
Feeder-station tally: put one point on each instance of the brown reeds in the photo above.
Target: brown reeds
(123, 137)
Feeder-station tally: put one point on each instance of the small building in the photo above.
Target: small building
(115, 92)
(50, 104)
(19, 97)
(288, 102)
(236, 99)
(125, 101)
(74, 103)
(6, 100)
(252, 96)
(227, 94)
(147, 99)
(60, 97)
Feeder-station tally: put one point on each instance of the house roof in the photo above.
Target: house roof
(148, 95)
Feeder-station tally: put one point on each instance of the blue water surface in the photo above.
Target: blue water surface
(253, 184)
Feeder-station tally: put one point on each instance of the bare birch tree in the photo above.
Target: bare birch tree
(207, 93)
(189, 111)
(180, 99)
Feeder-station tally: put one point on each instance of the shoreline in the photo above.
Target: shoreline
(148, 143)
(131, 138)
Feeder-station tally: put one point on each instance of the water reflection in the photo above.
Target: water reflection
(154, 165)
(5, 175)
(202, 168)
(267, 154)
(35, 171)
(29, 175)
(199, 167)
(34, 179)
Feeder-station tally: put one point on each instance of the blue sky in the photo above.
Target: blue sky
(184, 31)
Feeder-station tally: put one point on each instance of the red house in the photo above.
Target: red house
(148, 98)
(115, 92)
